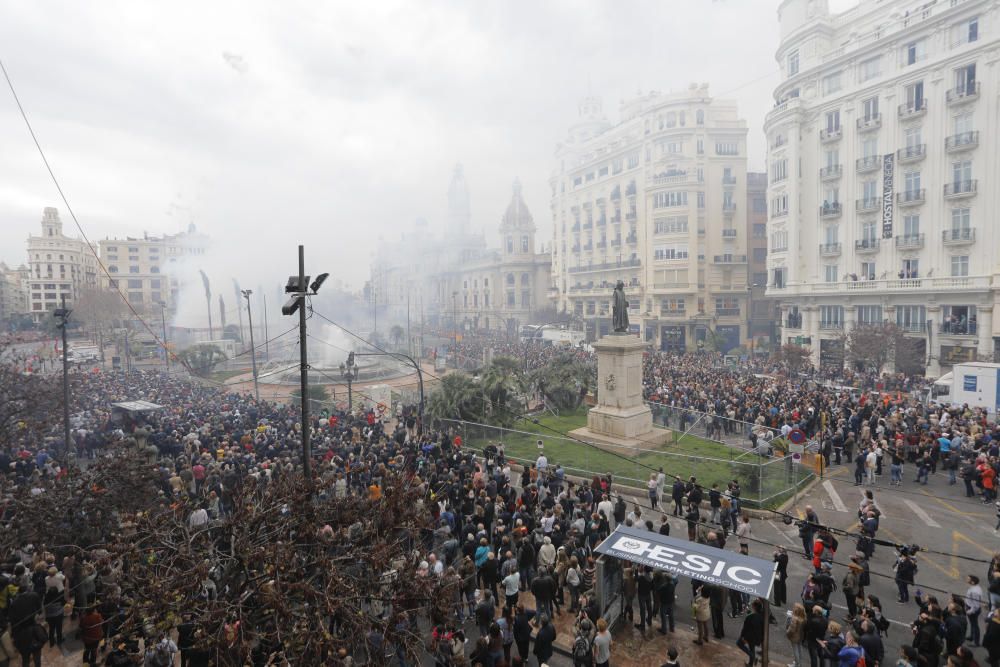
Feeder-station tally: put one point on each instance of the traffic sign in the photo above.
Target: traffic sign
(796, 458)
(797, 436)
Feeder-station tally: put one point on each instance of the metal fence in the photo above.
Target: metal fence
(715, 427)
(764, 480)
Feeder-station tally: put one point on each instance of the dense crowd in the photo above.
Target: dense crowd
(500, 532)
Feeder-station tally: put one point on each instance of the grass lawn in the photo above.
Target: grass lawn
(709, 461)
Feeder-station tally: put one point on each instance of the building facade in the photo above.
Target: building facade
(143, 268)
(764, 313)
(658, 201)
(59, 266)
(881, 152)
(13, 292)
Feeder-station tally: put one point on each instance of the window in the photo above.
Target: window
(510, 244)
(911, 181)
(671, 251)
(960, 220)
(869, 108)
(793, 64)
(133, 269)
(701, 146)
(603, 171)
(960, 265)
(965, 79)
(832, 158)
(135, 284)
(510, 278)
(831, 196)
(914, 52)
(869, 190)
(727, 148)
(915, 96)
(911, 226)
(779, 241)
(672, 305)
(911, 318)
(759, 255)
(525, 299)
(633, 160)
(913, 137)
(671, 119)
(133, 249)
(701, 200)
(154, 269)
(112, 269)
(869, 147)
(524, 244)
(759, 205)
(911, 268)
(868, 270)
(669, 199)
(831, 234)
(112, 248)
(832, 121)
(779, 205)
(525, 280)
(616, 166)
(869, 69)
(868, 232)
(154, 284)
(831, 316)
(966, 32)
(760, 230)
(869, 314)
(135, 297)
(699, 117)
(831, 83)
(962, 123)
(831, 272)
(961, 172)
(677, 224)
(779, 170)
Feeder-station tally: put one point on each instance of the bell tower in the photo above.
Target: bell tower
(517, 227)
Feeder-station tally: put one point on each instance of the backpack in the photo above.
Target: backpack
(582, 650)
(861, 659)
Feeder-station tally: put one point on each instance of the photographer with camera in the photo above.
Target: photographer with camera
(906, 570)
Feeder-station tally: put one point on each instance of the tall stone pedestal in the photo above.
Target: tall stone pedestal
(621, 421)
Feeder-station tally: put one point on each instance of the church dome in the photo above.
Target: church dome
(517, 214)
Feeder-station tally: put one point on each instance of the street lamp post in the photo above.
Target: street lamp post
(454, 316)
(350, 372)
(63, 314)
(253, 350)
(163, 321)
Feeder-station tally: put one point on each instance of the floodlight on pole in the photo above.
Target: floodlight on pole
(253, 352)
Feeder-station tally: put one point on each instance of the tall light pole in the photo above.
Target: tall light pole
(454, 316)
(253, 350)
(298, 286)
(267, 339)
(63, 314)
(350, 372)
(163, 321)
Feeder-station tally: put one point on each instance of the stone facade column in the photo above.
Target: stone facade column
(934, 341)
(984, 327)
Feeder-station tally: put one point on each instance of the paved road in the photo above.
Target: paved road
(937, 516)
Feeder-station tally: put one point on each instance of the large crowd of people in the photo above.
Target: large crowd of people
(502, 531)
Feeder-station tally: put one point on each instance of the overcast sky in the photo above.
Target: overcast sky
(334, 123)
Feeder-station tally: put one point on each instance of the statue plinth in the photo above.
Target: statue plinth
(621, 421)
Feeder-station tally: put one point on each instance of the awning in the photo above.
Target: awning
(746, 574)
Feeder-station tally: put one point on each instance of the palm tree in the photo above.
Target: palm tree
(502, 387)
(563, 382)
(396, 334)
(201, 359)
(456, 397)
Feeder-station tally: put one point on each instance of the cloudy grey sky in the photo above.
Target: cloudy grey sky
(333, 123)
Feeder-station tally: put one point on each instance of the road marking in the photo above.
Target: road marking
(951, 573)
(924, 516)
(954, 509)
(834, 496)
(782, 533)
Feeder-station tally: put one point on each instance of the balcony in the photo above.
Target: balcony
(631, 239)
(831, 326)
(625, 263)
(576, 227)
(730, 259)
(616, 194)
(671, 312)
(960, 189)
(958, 236)
(601, 245)
(912, 109)
(962, 94)
(832, 172)
(588, 246)
(729, 181)
(616, 220)
(869, 123)
(729, 233)
(957, 329)
(830, 210)
(829, 249)
(728, 208)
(831, 134)
(962, 141)
(910, 241)
(602, 221)
(862, 246)
(588, 225)
(630, 217)
(912, 153)
(868, 163)
(867, 204)
(727, 312)
(616, 243)
(910, 197)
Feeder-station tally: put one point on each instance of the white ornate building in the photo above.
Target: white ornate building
(657, 200)
(59, 266)
(883, 168)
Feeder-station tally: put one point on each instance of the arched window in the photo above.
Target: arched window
(525, 279)
(510, 278)
(699, 116)
(510, 244)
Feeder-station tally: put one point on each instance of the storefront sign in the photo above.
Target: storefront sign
(888, 175)
(691, 559)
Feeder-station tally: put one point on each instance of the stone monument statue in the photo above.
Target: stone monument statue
(619, 309)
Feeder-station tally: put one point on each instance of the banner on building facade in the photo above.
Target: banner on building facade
(746, 574)
(888, 175)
